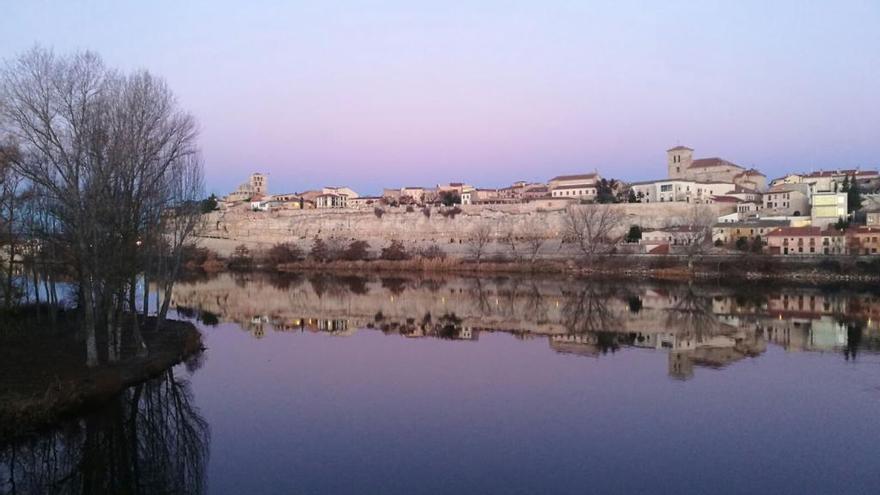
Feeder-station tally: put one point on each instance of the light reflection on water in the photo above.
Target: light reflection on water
(400, 384)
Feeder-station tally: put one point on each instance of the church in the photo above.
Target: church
(682, 165)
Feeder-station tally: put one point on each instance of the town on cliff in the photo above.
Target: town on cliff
(825, 212)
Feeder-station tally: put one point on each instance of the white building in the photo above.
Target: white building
(680, 190)
(581, 186)
(828, 208)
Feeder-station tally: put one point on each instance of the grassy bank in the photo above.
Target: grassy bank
(44, 377)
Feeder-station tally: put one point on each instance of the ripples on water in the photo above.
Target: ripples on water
(501, 385)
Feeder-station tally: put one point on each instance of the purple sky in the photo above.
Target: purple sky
(404, 92)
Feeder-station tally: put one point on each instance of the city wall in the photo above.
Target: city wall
(223, 230)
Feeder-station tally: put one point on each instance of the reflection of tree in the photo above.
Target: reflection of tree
(692, 314)
(535, 306)
(586, 311)
(150, 439)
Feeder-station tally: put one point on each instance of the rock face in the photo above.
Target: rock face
(416, 229)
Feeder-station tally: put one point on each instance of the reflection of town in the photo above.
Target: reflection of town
(696, 325)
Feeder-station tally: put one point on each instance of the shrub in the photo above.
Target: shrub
(718, 243)
(241, 258)
(356, 251)
(742, 244)
(427, 212)
(378, 212)
(450, 212)
(394, 252)
(433, 252)
(283, 253)
(410, 209)
(634, 234)
(319, 251)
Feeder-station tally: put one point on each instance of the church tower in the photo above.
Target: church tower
(678, 160)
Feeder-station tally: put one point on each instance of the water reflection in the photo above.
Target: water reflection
(696, 325)
(149, 440)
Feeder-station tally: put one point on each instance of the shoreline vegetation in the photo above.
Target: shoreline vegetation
(356, 258)
(45, 378)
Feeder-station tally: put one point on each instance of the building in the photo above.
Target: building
(681, 164)
(728, 233)
(683, 235)
(864, 240)
(478, 196)
(582, 186)
(330, 200)
(256, 187)
(811, 240)
(363, 202)
(680, 190)
(831, 180)
(828, 208)
(786, 200)
(872, 217)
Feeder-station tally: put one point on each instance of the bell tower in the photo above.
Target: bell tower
(678, 160)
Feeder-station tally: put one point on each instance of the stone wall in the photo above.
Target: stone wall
(226, 229)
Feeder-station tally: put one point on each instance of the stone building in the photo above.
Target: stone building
(582, 186)
(681, 164)
(256, 186)
(790, 199)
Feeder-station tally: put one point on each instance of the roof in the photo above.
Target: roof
(726, 199)
(573, 187)
(680, 148)
(576, 177)
(659, 249)
(835, 173)
(752, 223)
(712, 162)
(802, 231)
(751, 171)
(675, 228)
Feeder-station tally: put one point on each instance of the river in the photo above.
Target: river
(321, 383)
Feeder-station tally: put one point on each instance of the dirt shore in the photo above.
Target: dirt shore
(44, 377)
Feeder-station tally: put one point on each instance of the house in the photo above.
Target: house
(872, 217)
(681, 164)
(828, 208)
(792, 199)
(864, 240)
(831, 180)
(788, 241)
(477, 196)
(680, 190)
(728, 233)
(581, 186)
(330, 200)
(683, 235)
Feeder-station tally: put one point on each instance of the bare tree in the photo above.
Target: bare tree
(104, 149)
(697, 232)
(591, 228)
(532, 235)
(479, 241)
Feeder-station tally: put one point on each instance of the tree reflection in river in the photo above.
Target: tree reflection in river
(697, 324)
(149, 440)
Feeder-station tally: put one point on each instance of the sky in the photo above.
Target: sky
(390, 93)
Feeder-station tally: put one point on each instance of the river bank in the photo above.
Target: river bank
(742, 268)
(44, 377)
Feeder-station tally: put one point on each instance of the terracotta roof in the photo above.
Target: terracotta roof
(679, 148)
(575, 177)
(835, 173)
(659, 249)
(574, 187)
(802, 232)
(726, 199)
(711, 162)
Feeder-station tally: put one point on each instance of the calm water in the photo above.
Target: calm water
(390, 385)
